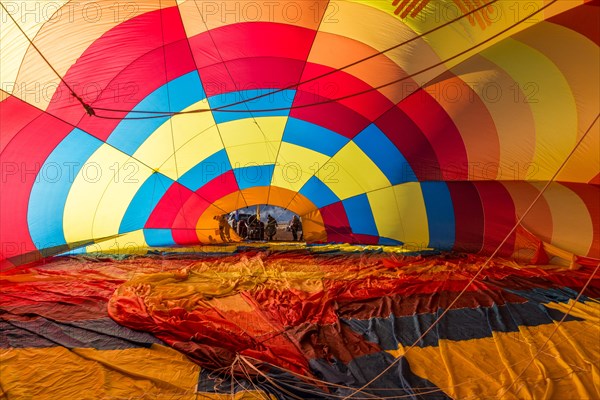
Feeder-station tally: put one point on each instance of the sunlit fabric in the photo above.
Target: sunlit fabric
(318, 324)
(442, 141)
(443, 157)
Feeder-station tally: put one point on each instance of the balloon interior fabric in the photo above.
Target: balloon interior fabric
(465, 132)
(316, 323)
(189, 109)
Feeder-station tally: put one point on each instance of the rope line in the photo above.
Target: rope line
(88, 109)
(161, 114)
(480, 270)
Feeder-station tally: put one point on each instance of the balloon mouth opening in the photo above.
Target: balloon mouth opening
(263, 223)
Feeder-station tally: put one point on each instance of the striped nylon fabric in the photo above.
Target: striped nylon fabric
(429, 124)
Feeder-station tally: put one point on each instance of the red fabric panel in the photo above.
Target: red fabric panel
(439, 129)
(411, 142)
(22, 159)
(582, 19)
(364, 239)
(336, 223)
(219, 187)
(169, 206)
(272, 56)
(141, 52)
(370, 105)
(126, 90)
(286, 326)
(250, 73)
(185, 236)
(499, 216)
(14, 116)
(186, 220)
(468, 216)
(347, 122)
(184, 224)
(591, 197)
(249, 40)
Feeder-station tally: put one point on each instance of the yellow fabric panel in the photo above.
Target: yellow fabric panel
(589, 311)
(202, 15)
(411, 206)
(484, 368)
(129, 243)
(296, 165)
(386, 214)
(515, 135)
(390, 32)
(252, 141)
(284, 246)
(553, 106)
(559, 256)
(399, 213)
(221, 280)
(466, 33)
(538, 220)
(195, 136)
(312, 221)
(390, 8)
(101, 193)
(578, 59)
(350, 172)
(75, 26)
(572, 226)
(59, 373)
(207, 228)
(301, 205)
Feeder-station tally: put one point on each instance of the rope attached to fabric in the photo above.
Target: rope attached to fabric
(224, 108)
(88, 109)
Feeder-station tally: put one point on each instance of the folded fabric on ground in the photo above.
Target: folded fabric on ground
(299, 324)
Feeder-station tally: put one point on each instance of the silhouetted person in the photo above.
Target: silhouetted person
(295, 226)
(254, 228)
(243, 228)
(271, 228)
(223, 228)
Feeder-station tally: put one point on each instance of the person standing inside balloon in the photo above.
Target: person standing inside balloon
(295, 226)
(224, 228)
(271, 229)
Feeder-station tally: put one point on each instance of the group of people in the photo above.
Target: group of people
(253, 229)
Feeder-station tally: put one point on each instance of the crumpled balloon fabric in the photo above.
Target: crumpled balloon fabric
(299, 323)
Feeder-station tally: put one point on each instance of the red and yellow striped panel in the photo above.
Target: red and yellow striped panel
(430, 124)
